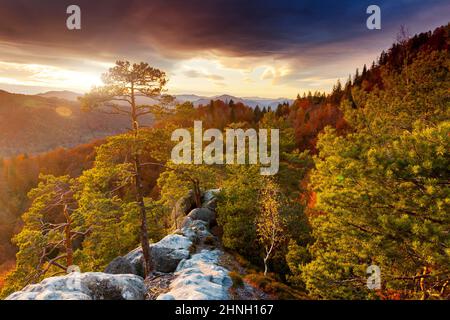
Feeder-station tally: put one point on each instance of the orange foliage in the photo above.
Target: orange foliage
(5, 268)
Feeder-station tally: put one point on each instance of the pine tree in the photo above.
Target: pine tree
(383, 189)
(122, 84)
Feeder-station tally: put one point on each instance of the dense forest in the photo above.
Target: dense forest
(364, 180)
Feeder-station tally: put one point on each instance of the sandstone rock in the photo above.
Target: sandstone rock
(166, 260)
(196, 276)
(209, 195)
(195, 230)
(203, 214)
(211, 204)
(166, 254)
(120, 265)
(85, 286)
(184, 205)
(200, 278)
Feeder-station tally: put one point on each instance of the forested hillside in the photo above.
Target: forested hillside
(34, 124)
(363, 180)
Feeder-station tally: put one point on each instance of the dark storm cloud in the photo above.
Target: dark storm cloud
(295, 44)
(177, 28)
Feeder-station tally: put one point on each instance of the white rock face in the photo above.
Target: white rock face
(166, 253)
(210, 195)
(195, 230)
(174, 242)
(85, 286)
(200, 278)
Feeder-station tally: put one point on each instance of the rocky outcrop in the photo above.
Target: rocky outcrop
(191, 255)
(209, 199)
(187, 259)
(200, 277)
(172, 249)
(85, 286)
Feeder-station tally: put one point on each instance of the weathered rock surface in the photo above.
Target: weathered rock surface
(183, 206)
(209, 195)
(166, 254)
(195, 230)
(200, 278)
(85, 286)
(203, 214)
(210, 199)
(120, 265)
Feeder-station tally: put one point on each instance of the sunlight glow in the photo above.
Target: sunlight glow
(46, 76)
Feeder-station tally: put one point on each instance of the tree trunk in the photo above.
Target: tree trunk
(144, 229)
(139, 192)
(68, 238)
(197, 193)
(265, 266)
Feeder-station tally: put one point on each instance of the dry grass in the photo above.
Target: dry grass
(274, 288)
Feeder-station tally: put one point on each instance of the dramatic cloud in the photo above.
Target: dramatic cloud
(272, 41)
(197, 74)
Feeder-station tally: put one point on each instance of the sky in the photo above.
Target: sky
(245, 48)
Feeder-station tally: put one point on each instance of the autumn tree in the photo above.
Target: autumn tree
(270, 225)
(124, 84)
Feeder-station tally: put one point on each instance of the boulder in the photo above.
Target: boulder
(166, 254)
(131, 263)
(184, 205)
(85, 286)
(200, 278)
(195, 230)
(120, 265)
(203, 214)
(209, 195)
(166, 260)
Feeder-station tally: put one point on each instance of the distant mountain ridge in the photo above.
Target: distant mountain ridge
(39, 123)
(195, 99)
(250, 102)
(66, 95)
